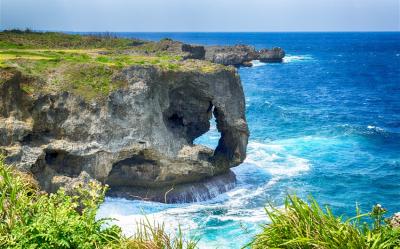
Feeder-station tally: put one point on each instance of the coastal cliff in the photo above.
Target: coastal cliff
(242, 55)
(125, 117)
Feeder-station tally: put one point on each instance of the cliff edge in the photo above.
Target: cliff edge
(125, 116)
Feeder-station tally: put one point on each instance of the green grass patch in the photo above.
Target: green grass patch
(85, 65)
(302, 225)
(20, 39)
(89, 80)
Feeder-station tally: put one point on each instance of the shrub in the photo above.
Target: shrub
(30, 218)
(303, 225)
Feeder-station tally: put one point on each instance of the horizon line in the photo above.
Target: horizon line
(280, 31)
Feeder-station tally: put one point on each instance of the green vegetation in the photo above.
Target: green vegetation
(84, 65)
(302, 225)
(30, 218)
(11, 39)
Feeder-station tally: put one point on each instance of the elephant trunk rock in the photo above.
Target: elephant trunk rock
(138, 139)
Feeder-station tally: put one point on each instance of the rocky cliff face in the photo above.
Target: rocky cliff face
(231, 55)
(138, 139)
(187, 51)
(242, 55)
(271, 55)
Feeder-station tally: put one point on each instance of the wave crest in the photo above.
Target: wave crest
(297, 58)
(258, 63)
(276, 160)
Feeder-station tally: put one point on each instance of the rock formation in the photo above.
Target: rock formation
(138, 139)
(271, 55)
(238, 55)
(124, 112)
(242, 55)
(189, 51)
(231, 55)
(166, 45)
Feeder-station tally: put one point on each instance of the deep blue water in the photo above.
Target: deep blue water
(326, 122)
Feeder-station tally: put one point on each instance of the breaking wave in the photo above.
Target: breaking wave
(258, 63)
(266, 164)
(297, 58)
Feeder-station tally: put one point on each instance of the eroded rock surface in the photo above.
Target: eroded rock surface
(271, 55)
(138, 137)
(186, 51)
(242, 55)
(189, 51)
(231, 55)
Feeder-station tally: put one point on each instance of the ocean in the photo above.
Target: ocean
(325, 123)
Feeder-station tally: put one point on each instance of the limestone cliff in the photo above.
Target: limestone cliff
(138, 138)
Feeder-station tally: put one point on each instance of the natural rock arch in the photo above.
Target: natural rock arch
(139, 139)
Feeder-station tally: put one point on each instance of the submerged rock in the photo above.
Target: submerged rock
(138, 137)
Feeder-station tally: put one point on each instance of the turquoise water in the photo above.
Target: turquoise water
(325, 122)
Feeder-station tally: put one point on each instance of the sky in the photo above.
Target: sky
(201, 15)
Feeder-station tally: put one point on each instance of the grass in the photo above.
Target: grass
(87, 73)
(13, 39)
(30, 218)
(84, 65)
(302, 225)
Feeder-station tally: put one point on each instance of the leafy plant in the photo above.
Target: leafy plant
(30, 218)
(306, 225)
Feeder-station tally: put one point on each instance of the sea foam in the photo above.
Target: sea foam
(297, 58)
(258, 63)
(270, 162)
(275, 159)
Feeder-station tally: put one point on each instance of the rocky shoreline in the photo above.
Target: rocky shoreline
(242, 55)
(203, 190)
(137, 137)
(237, 55)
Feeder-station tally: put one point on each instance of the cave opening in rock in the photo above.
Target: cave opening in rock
(136, 170)
(212, 136)
(175, 121)
(63, 163)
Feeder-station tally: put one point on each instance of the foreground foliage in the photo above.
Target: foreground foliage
(307, 225)
(30, 218)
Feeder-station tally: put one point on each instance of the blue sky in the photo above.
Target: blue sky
(201, 15)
